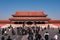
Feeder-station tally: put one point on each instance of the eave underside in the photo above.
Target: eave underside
(8, 21)
(30, 18)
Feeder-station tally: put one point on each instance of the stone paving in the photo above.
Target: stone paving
(52, 32)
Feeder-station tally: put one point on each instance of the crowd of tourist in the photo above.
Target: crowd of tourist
(32, 32)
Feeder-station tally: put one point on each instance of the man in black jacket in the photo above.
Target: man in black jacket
(9, 38)
(37, 36)
(46, 36)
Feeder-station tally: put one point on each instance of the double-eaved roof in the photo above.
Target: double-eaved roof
(29, 14)
(39, 15)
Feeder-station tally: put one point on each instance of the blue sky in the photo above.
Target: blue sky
(9, 7)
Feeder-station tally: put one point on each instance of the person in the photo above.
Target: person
(9, 38)
(13, 32)
(48, 26)
(37, 36)
(46, 35)
(23, 31)
(0, 29)
(18, 30)
(59, 30)
(56, 37)
(37, 29)
(44, 28)
(30, 37)
(9, 28)
(2, 38)
(3, 31)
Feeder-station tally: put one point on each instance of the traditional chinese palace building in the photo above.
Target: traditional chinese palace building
(30, 18)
